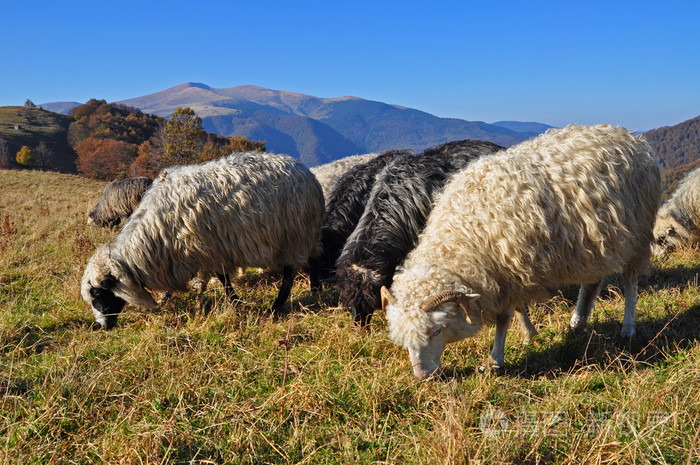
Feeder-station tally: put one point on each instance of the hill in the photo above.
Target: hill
(32, 126)
(315, 129)
(678, 149)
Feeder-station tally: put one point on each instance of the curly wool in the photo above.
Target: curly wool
(568, 207)
(329, 173)
(678, 221)
(119, 199)
(346, 203)
(248, 209)
(394, 216)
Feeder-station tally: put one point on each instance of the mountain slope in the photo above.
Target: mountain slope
(678, 149)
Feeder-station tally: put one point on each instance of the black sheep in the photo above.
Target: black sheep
(394, 216)
(345, 204)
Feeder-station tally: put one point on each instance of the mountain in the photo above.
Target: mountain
(530, 129)
(314, 129)
(678, 149)
(59, 107)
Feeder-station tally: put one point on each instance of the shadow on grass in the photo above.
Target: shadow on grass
(601, 344)
(35, 339)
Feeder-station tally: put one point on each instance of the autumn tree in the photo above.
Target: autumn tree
(183, 137)
(217, 146)
(25, 157)
(150, 159)
(105, 159)
(100, 119)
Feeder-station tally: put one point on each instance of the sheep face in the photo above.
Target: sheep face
(106, 287)
(105, 305)
(426, 330)
(666, 237)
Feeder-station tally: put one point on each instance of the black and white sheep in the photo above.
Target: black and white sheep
(329, 173)
(247, 209)
(119, 199)
(345, 204)
(394, 216)
(568, 207)
(678, 220)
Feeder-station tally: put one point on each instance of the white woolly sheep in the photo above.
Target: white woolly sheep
(678, 221)
(329, 173)
(247, 209)
(568, 207)
(119, 199)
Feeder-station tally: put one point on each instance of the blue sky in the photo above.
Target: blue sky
(636, 64)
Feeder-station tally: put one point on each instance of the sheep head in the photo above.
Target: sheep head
(107, 287)
(426, 330)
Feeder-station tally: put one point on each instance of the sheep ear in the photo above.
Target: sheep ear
(109, 282)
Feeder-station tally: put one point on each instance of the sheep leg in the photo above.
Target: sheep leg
(586, 298)
(629, 326)
(228, 287)
(315, 273)
(496, 360)
(527, 329)
(285, 288)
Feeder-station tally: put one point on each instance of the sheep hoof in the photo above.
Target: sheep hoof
(576, 328)
(529, 337)
(491, 366)
(629, 330)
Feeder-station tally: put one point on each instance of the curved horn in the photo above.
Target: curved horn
(387, 296)
(458, 297)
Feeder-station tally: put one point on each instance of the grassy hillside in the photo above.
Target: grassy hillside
(36, 126)
(219, 383)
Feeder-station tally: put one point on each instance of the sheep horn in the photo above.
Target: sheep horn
(387, 297)
(460, 298)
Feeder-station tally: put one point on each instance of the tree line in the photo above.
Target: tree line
(114, 141)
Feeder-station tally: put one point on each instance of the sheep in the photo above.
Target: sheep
(394, 216)
(345, 204)
(247, 209)
(678, 221)
(119, 199)
(569, 207)
(329, 173)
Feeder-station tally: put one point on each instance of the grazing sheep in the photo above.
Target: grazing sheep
(344, 207)
(329, 173)
(247, 209)
(568, 207)
(678, 221)
(394, 216)
(118, 200)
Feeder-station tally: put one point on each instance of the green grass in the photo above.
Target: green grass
(201, 381)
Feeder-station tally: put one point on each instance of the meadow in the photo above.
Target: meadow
(200, 380)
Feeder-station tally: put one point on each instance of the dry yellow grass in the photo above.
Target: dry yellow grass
(229, 384)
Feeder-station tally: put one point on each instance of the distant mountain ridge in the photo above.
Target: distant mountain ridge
(318, 130)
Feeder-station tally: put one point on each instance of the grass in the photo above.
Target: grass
(220, 383)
